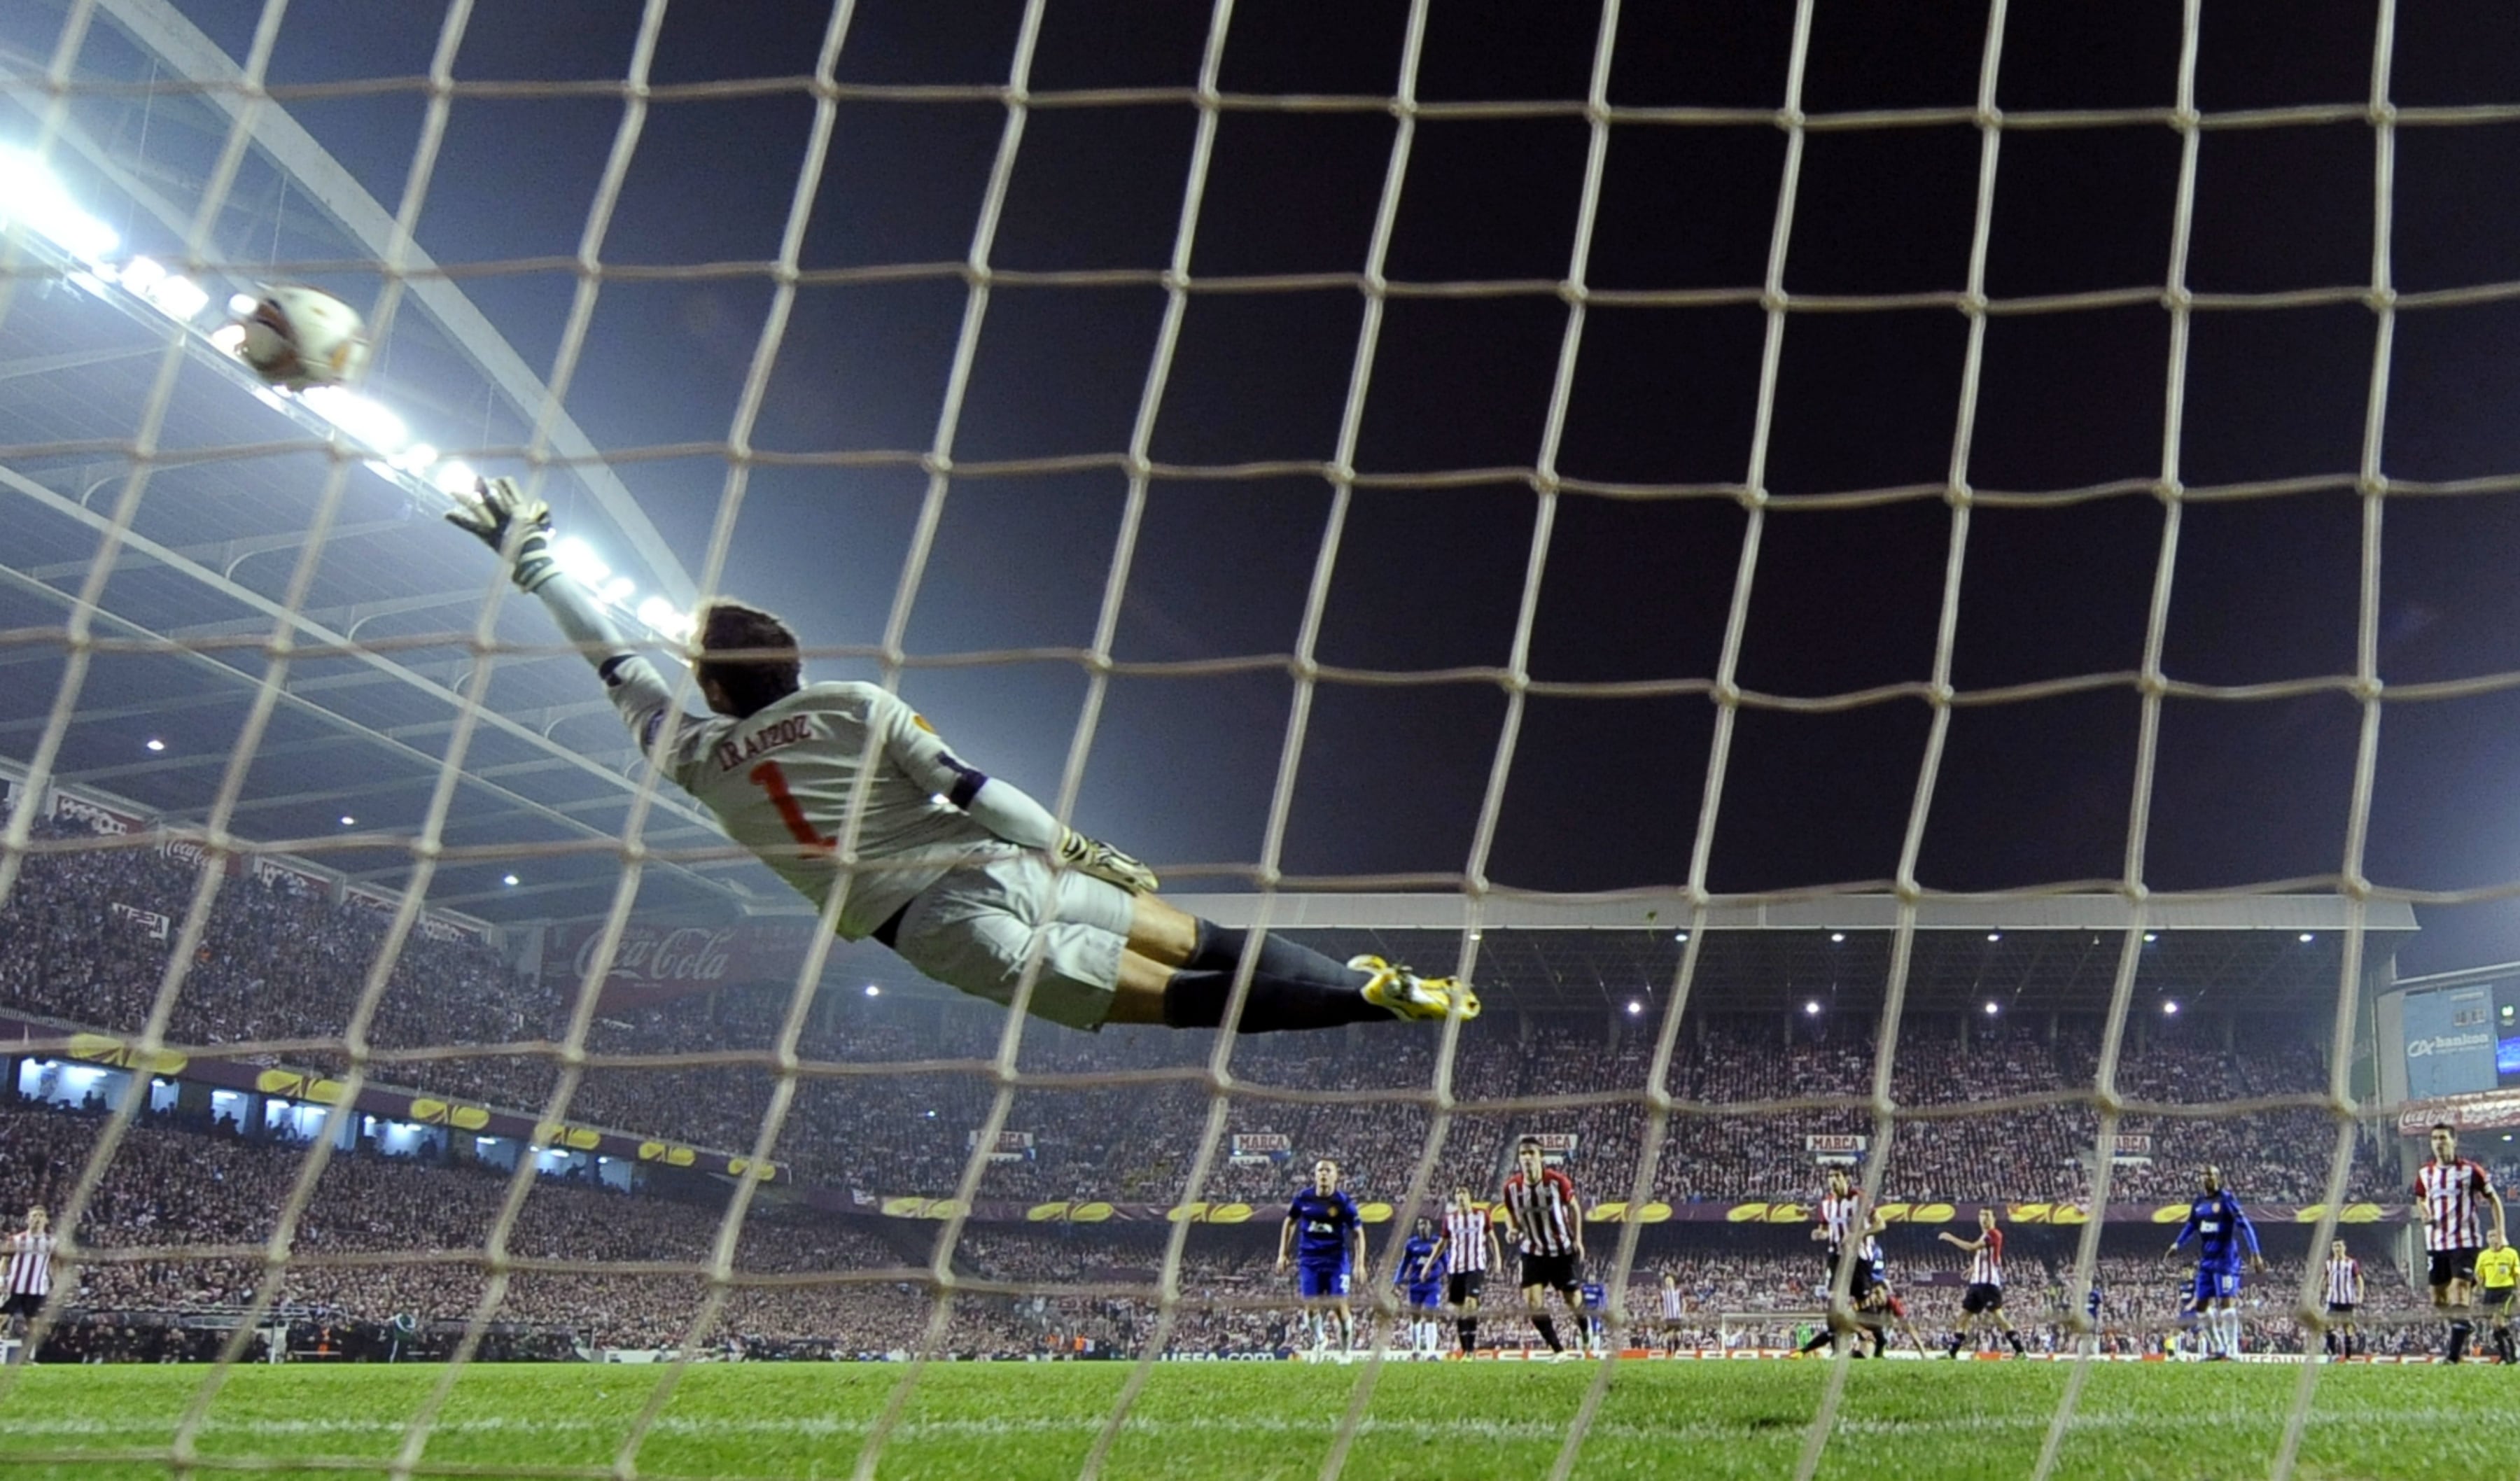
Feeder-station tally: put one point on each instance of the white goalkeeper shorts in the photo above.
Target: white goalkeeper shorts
(975, 928)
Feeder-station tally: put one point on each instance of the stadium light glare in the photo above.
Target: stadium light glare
(2150, 938)
(1635, 1007)
(1682, 937)
(241, 305)
(358, 416)
(454, 476)
(2171, 1008)
(154, 744)
(31, 197)
(2307, 938)
(1989, 1010)
(584, 566)
(873, 991)
(1812, 1008)
(1994, 936)
(508, 879)
(1837, 937)
(229, 338)
(619, 590)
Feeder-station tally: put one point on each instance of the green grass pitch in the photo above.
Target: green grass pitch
(1011, 1421)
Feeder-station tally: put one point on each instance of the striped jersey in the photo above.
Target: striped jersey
(2447, 1197)
(1544, 1212)
(2344, 1281)
(30, 1265)
(1671, 1303)
(1466, 1239)
(1839, 1216)
(1986, 1262)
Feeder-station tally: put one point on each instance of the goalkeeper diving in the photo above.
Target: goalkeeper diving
(961, 874)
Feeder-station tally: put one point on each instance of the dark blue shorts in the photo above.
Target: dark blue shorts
(1320, 1283)
(1426, 1299)
(2215, 1285)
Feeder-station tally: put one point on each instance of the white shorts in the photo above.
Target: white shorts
(975, 928)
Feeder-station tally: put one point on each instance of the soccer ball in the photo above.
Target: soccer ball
(298, 337)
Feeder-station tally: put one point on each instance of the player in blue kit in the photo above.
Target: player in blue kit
(1419, 1279)
(2223, 1234)
(1592, 1309)
(1325, 1237)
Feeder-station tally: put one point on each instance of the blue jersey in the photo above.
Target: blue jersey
(1419, 1268)
(1324, 1226)
(1593, 1297)
(2092, 1302)
(2223, 1231)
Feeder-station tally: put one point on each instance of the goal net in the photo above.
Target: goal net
(1833, 571)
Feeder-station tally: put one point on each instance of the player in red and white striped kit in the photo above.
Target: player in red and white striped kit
(1547, 1224)
(2452, 1196)
(2343, 1280)
(1468, 1246)
(29, 1277)
(1984, 1297)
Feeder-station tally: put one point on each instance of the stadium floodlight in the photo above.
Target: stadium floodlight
(2150, 938)
(1837, 937)
(2307, 938)
(2170, 1007)
(578, 558)
(662, 619)
(1812, 1008)
(356, 415)
(179, 297)
(349, 822)
(154, 744)
(413, 459)
(1990, 1010)
(29, 197)
(508, 879)
(1994, 936)
(1635, 1007)
(1682, 937)
(619, 590)
(454, 476)
(873, 991)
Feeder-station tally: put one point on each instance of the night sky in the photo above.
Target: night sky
(1603, 792)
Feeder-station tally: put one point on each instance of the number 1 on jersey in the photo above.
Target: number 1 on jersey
(770, 779)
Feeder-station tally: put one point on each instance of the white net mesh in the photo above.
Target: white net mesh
(814, 1101)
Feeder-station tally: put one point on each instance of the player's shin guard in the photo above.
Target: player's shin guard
(2459, 1331)
(1469, 1328)
(1549, 1333)
(1220, 950)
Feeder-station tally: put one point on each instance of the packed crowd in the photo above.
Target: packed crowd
(277, 963)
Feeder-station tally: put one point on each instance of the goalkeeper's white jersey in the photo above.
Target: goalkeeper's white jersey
(781, 781)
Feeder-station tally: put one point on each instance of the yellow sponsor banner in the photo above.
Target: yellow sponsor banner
(1931, 1213)
(903, 1208)
(667, 1153)
(2360, 1213)
(1044, 1213)
(736, 1167)
(1788, 1213)
(2030, 1213)
(105, 1049)
(1747, 1213)
(470, 1118)
(2170, 1213)
(1229, 1213)
(1606, 1213)
(1188, 1213)
(575, 1137)
(2070, 1213)
(2309, 1213)
(1892, 1213)
(1089, 1213)
(293, 1085)
(1653, 1213)
(1375, 1213)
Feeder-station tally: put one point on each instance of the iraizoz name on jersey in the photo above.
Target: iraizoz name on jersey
(769, 737)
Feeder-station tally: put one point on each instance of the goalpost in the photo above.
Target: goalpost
(43, 250)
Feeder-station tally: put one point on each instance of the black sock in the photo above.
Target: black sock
(1197, 998)
(1819, 1340)
(1469, 1335)
(1220, 950)
(1549, 1333)
(2331, 1343)
(2458, 1331)
(2015, 1340)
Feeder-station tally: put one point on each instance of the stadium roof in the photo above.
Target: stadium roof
(201, 582)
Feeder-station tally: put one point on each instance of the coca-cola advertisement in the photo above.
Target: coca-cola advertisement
(655, 962)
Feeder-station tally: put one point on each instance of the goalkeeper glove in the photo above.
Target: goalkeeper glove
(1093, 857)
(515, 526)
